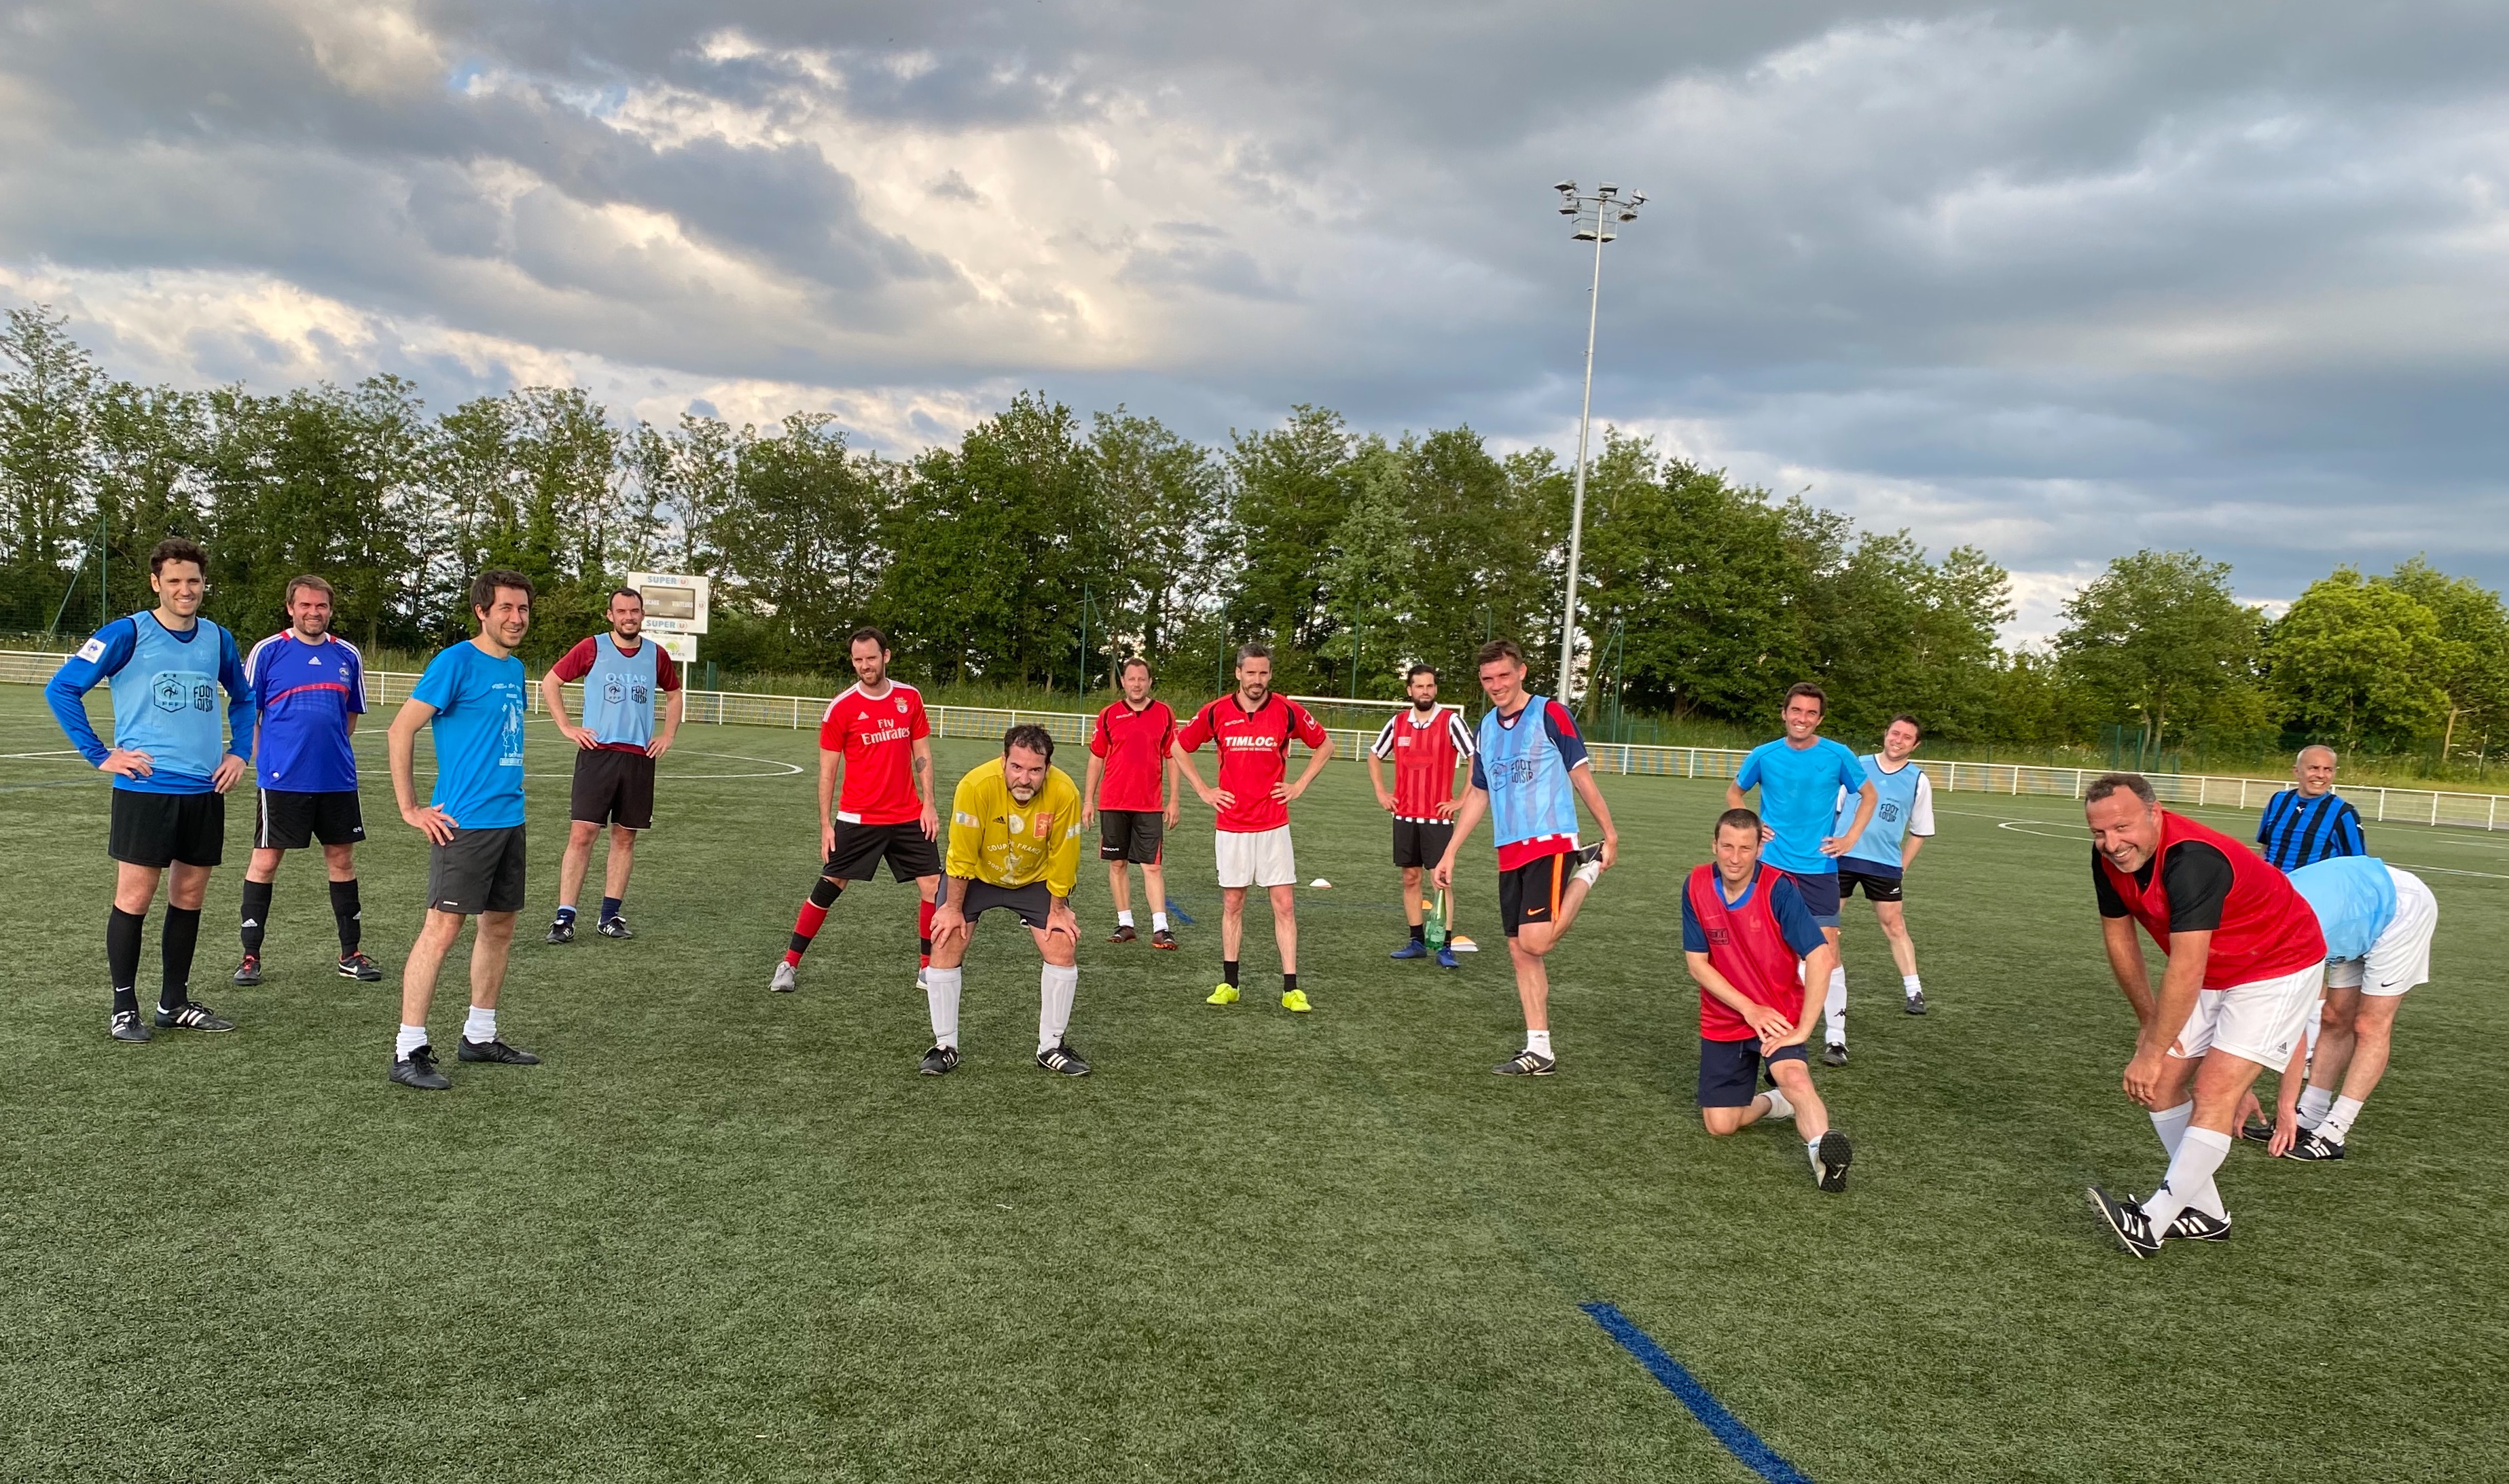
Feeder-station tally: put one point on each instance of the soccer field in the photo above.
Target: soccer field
(722, 1234)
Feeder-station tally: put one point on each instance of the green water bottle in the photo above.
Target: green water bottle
(1436, 914)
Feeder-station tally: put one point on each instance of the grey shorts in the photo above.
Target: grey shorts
(480, 871)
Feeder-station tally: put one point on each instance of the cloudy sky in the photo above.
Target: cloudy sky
(2062, 281)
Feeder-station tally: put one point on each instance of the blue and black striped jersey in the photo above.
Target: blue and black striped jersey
(2298, 832)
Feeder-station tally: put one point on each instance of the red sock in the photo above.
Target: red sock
(806, 926)
(923, 931)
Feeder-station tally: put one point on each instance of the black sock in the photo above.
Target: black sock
(609, 907)
(181, 936)
(1420, 932)
(121, 932)
(1289, 984)
(1229, 971)
(346, 912)
(256, 914)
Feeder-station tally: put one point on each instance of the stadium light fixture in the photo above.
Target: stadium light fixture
(1596, 215)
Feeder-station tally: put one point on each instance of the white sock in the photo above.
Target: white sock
(1056, 985)
(1538, 1042)
(480, 1026)
(1124, 918)
(1158, 922)
(410, 1039)
(2313, 1103)
(2338, 1123)
(1812, 1147)
(1909, 986)
(2201, 1152)
(1779, 1105)
(1833, 1009)
(941, 991)
(2170, 1123)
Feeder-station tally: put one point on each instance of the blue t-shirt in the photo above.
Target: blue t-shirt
(165, 700)
(1786, 903)
(307, 692)
(2354, 897)
(478, 732)
(1799, 798)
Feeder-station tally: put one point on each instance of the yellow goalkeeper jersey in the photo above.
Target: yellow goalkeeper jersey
(996, 838)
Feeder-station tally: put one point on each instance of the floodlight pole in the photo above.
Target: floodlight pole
(1595, 214)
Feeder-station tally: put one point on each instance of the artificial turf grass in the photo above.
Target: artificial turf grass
(1252, 1246)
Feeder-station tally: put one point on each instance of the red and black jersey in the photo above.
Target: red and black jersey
(2202, 880)
(1254, 756)
(877, 735)
(1133, 746)
(1424, 748)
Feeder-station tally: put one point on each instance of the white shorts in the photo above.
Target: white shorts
(1260, 858)
(2401, 957)
(2258, 1021)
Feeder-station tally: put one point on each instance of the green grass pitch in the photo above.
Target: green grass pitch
(724, 1235)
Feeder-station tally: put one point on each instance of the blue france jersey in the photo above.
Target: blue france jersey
(1524, 769)
(307, 692)
(2354, 897)
(165, 684)
(1903, 805)
(1799, 798)
(478, 732)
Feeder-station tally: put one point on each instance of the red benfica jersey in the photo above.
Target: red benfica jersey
(1133, 746)
(1254, 754)
(2268, 929)
(1425, 750)
(877, 735)
(1747, 945)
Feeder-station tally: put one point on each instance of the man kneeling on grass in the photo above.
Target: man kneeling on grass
(1752, 945)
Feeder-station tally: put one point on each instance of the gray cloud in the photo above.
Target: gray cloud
(2063, 279)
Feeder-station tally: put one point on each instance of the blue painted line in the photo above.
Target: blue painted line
(1179, 913)
(1738, 1440)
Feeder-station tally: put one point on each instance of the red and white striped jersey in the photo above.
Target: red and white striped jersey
(1424, 748)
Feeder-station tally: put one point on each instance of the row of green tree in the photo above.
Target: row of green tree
(1042, 546)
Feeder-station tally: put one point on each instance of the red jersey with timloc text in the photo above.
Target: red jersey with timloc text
(1424, 748)
(877, 735)
(1254, 756)
(1133, 746)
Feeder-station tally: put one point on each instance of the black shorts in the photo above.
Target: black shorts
(161, 830)
(480, 871)
(1137, 836)
(1531, 893)
(286, 820)
(1029, 901)
(860, 848)
(612, 788)
(1422, 842)
(1820, 893)
(1729, 1071)
(1878, 886)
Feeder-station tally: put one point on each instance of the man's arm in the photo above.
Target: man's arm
(2179, 985)
(243, 715)
(950, 913)
(1817, 966)
(1466, 819)
(553, 697)
(1314, 763)
(674, 709)
(830, 764)
(1193, 775)
(2125, 961)
(401, 746)
(1376, 781)
(1089, 780)
(1866, 797)
(1582, 779)
(923, 771)
(1172, 789)
(1764, 1018)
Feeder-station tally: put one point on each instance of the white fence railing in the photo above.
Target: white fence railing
(732, 708)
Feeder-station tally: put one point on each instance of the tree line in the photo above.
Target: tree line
(1044, 547)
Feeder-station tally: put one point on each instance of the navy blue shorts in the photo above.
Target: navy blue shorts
(1729, 1071)
(1820, 893)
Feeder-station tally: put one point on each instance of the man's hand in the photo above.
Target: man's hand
(1175, 809)
(1385, 800)
(949, 922)
(1445, 811)
(1768, 832)
(1443, 872)
(1285, 791)
(2142, 1075)
(1770, 1022)
(1059, 919)
(1835, 844)
(129, 763)
(1088, 812)
(1220, 800)
(230, 769)
(431, 822)
(1610, 849)
(658, 746)
(580, 736)
(2286, 1133)
(827, 840)
(931, 823)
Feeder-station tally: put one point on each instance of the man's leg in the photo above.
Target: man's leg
(1833, 1005)
(347, 914)
(254, 918)
(1528, 952)
(1412, 912)
(135, 887)
(1284, 933)
(1119, 885)
(2220, 1079)
(1793, 1077)
(1232, 931)
(434, 940)
(490, 948)
(1154, 888)
(927, 895)
(579, 835)
(943, 980)
(1057, 982)
(617, 869)
(807, 923)
(2372, 1033)
(187, 888)
(1893, 917)
(2338, 1044)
